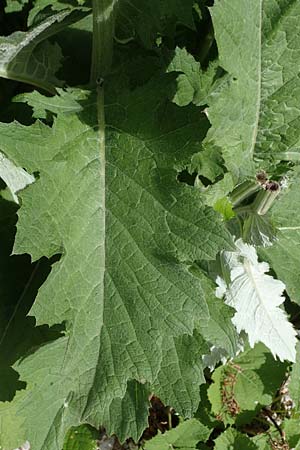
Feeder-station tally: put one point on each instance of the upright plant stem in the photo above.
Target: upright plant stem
(103, 33)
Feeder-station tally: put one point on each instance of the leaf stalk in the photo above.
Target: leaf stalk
(265, 199)
(244, 191)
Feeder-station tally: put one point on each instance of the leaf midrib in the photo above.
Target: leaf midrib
(249, 271)
(259, 78)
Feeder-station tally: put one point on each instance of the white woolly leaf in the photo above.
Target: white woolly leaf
(256, 298)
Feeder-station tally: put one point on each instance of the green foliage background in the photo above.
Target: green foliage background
(109, 258)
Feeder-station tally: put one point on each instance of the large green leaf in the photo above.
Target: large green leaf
(177, 382)
(127, 232)
(255, 112)
(182, 357)
(25, 57)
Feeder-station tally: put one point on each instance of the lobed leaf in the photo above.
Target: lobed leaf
(126, 231)
(256, 298)
(193, 84)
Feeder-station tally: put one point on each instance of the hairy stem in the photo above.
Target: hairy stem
(103, 32)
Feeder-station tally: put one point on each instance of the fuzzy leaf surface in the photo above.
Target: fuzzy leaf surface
(125, 229)
(255, 112)
(183, 357)
(256, 297)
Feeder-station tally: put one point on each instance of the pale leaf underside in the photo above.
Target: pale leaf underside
(256, 298)
(15, 178)
(25, 57)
